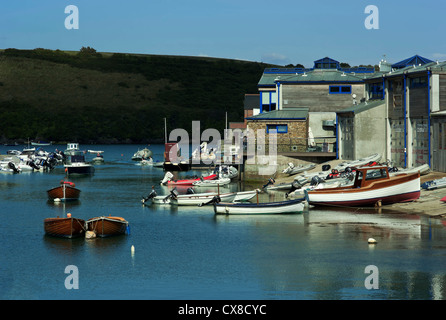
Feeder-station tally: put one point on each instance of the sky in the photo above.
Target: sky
(279, 32)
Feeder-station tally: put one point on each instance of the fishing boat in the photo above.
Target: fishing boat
(41, 143)
(211, 183)
(372, 185)
(66, 191)
(247, 208)
(68, 227)
(107, 226)
(434, 184)
(167, 180)
(291, 169)
(75, 161)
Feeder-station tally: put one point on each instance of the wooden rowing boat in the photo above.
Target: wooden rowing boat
(66, 191)
(68, 227)
(246, 208)
(372, 185)
(107, 226)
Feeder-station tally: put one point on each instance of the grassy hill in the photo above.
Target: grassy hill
(93, 97)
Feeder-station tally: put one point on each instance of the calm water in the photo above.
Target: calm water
(189, 253)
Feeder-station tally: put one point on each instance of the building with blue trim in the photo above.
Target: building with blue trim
(398, 111)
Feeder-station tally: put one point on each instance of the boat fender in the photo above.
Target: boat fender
(90, 235)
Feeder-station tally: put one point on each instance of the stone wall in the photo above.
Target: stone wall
(295, 140)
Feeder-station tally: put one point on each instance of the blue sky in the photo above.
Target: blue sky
(279, 31)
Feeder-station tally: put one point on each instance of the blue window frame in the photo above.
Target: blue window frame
(340, 89)
(281, 128)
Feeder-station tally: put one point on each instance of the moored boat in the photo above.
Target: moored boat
(107, 226)
(167, 180)
(75, 161)
(66, 191)
(190, 199)
(372, 185)
(68, 227)
(211, 183)
(246, 208)
(292, 169)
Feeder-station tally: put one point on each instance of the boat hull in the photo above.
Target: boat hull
(107, 226)
(189, 182)
(64, 227)
(79, 169)
(283, 207)
(64, 193)
(399, 189)
(194, 199)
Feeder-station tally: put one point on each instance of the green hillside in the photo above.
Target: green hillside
(93, 97)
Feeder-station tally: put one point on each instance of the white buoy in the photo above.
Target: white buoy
(372, 241)
(132, 249)
(56, 200)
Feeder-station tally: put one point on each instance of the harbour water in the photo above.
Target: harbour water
(189, 253)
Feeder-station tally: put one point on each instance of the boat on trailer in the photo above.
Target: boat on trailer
(372, 186)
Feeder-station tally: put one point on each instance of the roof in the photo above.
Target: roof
(415, 60)
(314, 76)
(412, 69)
(363, 106)
(251, 101)
(283, 114)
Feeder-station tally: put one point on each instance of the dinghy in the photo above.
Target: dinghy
(281, 207)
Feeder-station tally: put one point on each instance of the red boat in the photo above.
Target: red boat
(65, 192)
(169, 182)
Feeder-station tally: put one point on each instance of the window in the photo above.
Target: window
(340, 89)
(418, 82)
(281, 128)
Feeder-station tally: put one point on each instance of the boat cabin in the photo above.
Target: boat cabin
(368, 175)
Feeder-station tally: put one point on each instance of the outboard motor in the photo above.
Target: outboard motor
(271, 181)
(294, 186)
(214, 200)
(167, 177)
(326, 167)
(33, 165)
(12, 166)
(151, 195)
(190, 191)
(316, 180)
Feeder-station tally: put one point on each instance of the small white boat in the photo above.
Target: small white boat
(99, 157)
(423, 169)
(212, 183)
(245, 195)
(282, 207)
(192, 199)
(291, 169)
(142, 154)
(357, 163)
(434, 184)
